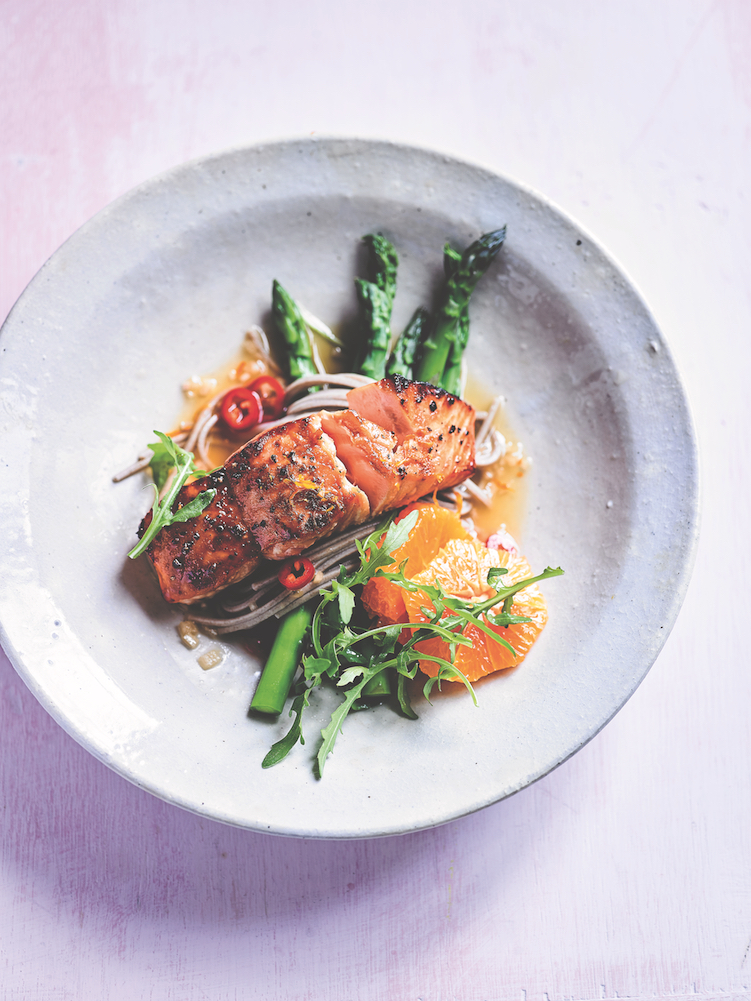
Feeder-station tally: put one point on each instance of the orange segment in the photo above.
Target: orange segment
(435, 527)
(461, 568)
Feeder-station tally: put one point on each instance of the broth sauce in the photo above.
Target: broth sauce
(505, 480)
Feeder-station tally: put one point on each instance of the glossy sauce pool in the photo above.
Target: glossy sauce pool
(507, 477)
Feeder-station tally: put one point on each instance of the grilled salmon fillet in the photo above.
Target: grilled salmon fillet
(369, 454)
(195, 559)
(434, 431)
(298, 483)
(292, 489)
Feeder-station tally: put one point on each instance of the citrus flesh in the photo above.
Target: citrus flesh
(461, 569)
(435, 526)
(441, 551)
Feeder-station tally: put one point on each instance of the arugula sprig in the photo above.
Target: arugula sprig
(351, 656)
(167, 456)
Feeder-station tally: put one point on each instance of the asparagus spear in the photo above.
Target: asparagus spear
(378, 687)
(404, 355)
(279, 670)
(376, 300)
(273, 688)
(376, 314)
(384, 262)
(452, 374)
(291, 326)
(474, 262)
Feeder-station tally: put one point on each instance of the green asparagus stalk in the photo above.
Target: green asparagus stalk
(291, 326)
(378, 687)
(273, 688)
(384, 261)
(376, 301)
(452, 374)
(376, 314)
(404, 355)
(474, 262)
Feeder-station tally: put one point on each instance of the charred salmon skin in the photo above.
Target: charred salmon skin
(195, 559)
(292, 489)
(300, 482)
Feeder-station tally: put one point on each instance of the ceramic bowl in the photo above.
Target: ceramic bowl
(162, 284)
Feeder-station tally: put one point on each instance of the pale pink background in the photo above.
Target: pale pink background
(627, 872)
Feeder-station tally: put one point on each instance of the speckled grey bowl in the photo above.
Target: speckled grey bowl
(163, 283)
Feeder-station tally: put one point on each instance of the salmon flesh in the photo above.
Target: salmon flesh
(296, 484)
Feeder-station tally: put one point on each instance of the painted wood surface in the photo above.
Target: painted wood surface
(625, 873)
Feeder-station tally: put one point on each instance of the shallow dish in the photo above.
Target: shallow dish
(162, 284)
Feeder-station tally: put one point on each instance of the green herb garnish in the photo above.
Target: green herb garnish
(162, 461)
(168, 456)
(351, 655)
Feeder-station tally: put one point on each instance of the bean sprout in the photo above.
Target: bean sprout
(201, 443)
(257, 343)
